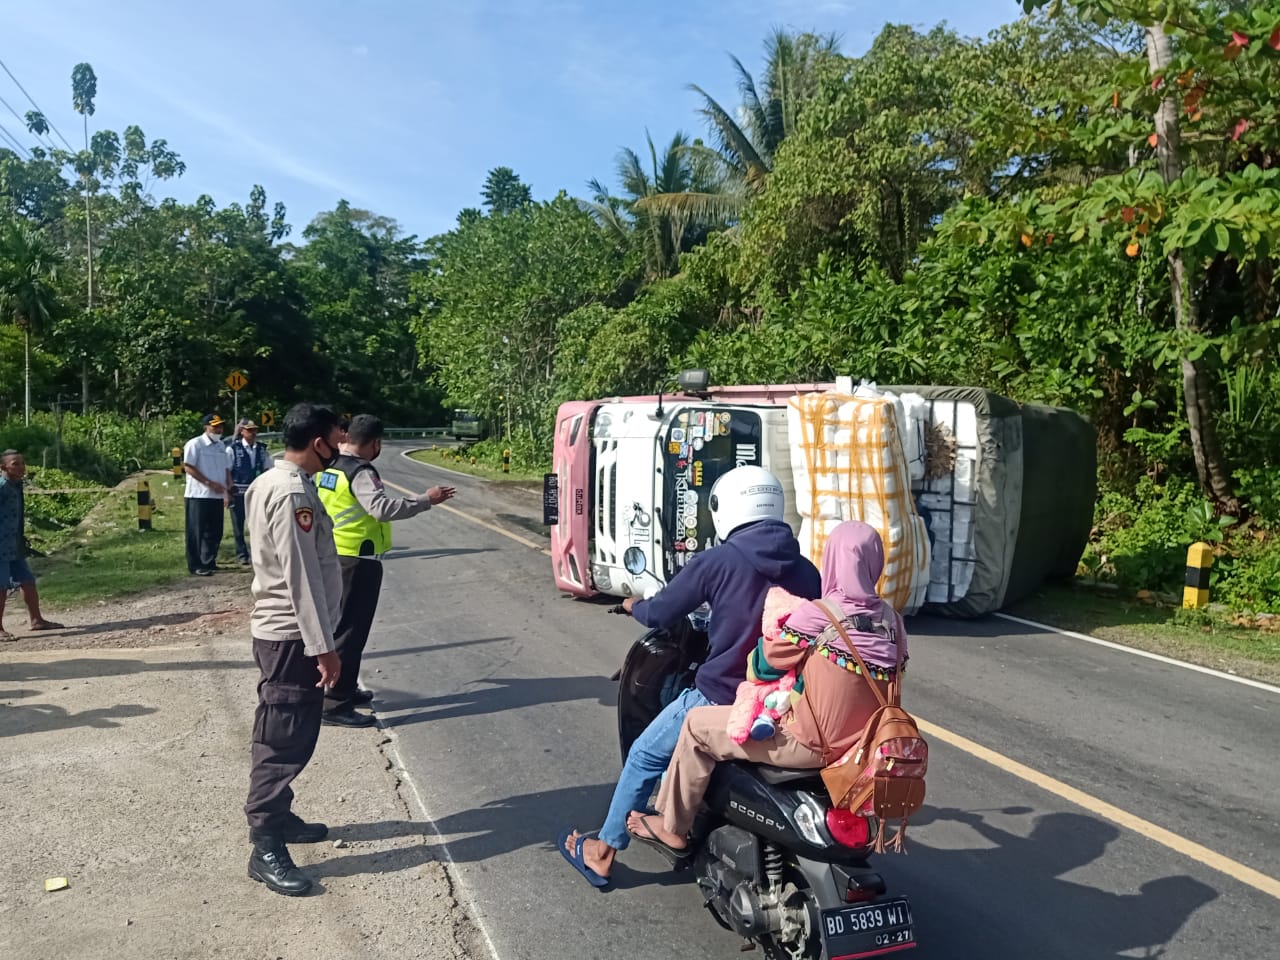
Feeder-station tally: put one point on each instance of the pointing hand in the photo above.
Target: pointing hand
(440, 494)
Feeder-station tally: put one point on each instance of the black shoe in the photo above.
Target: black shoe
(271, 864)
(203, 573)
(346, 716)
(296, 830)
(361, 696)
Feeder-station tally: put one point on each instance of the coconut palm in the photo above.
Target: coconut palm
(28, 293)
(677, 171)
(746, 142)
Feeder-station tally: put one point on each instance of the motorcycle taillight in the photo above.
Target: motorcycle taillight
(848, 829)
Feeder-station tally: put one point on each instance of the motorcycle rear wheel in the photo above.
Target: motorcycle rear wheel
(807, 944)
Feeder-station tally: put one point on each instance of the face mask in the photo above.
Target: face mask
(330, 459)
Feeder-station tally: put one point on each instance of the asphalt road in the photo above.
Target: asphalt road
(497, 692)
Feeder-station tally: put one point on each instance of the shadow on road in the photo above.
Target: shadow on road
(43, 717)
(431, 647)
(498, 694)
(83, 667)
(1011, 901)
(493, 830)
(436, 553)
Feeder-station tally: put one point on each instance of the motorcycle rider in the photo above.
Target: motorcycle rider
(756, 551)
(836, 704)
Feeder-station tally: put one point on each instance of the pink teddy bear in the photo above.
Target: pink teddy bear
(758, 706)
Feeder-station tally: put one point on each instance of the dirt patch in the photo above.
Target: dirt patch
(190, 609)
(125, 772)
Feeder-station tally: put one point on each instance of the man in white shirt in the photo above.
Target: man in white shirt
(208, 493)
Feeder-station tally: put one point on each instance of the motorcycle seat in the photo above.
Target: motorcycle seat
(777, 775)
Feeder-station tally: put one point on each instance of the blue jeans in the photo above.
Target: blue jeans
(646, 762)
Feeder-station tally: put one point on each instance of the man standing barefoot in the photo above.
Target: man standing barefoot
(13, 547)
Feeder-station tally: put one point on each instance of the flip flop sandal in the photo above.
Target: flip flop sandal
(47, 625)
(678, 857)
(6, 636)
(576, 858)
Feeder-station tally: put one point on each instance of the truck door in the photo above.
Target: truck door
(701, 444)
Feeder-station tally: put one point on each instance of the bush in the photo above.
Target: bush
(40, 446)
(50, 516)
(101, 447)
(1141, 539)
(1247, 575)
(525, 457)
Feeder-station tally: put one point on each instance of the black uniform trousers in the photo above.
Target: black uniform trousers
(286, 727)
(361, 586)
(204, 532)
(237, 525)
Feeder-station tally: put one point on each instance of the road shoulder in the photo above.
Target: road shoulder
(125, 771)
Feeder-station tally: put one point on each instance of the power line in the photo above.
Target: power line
(46, 116)
(22, 151)
(23, 121)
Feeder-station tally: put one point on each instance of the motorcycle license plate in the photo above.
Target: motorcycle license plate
(867, 930)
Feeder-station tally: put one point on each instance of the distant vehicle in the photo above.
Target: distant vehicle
(468, 426)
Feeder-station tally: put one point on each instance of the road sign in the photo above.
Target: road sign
(237, 381)
(268, 418)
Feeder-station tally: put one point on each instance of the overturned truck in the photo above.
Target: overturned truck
(978, 499)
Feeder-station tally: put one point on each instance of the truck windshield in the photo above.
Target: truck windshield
(700, 444)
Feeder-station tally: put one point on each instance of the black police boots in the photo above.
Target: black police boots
(271, 864)
(295, 830)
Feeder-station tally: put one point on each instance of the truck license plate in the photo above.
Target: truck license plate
(550, 499)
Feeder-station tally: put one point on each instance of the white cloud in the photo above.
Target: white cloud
(261, 151)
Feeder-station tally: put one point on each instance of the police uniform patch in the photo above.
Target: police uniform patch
(328, 480)
(306, 518)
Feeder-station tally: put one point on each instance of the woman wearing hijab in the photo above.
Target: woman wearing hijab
(834, 701)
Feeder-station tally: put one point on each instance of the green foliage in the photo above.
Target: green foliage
(52, 516)
(1142, 539)
(503, 191)
(40, 446)
(491, 304)
(1249, 576)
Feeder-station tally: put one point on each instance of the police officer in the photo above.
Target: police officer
(297, 586)
(249, 460)
(357, 503)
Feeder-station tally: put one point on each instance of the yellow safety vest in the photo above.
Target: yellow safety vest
(355, 533)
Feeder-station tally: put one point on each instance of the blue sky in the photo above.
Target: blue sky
(400, 106)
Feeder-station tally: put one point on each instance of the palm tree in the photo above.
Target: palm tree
(745, 145)
(28, 295)
(666, 233)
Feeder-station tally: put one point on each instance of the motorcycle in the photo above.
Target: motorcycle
(774, 861)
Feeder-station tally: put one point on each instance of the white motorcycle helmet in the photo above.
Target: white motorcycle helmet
(744, 495)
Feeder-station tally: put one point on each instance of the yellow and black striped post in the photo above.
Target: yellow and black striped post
(506, 461)
(176, 452)
(144, 505)
(1199, 562)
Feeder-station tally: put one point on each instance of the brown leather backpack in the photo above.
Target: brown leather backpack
(882, 774)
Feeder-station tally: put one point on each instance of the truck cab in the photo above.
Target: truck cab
(632, 477)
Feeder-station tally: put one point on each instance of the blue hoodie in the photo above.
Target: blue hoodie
(733, 578)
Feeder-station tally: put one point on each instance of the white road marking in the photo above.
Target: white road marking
(1208, 671)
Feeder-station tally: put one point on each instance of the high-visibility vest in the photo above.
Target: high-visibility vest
(355, 533)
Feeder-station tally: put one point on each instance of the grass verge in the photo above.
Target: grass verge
(108, 556)
(445, 457)
(1210, 640)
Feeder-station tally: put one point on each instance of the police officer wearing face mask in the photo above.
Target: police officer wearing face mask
(297, 588)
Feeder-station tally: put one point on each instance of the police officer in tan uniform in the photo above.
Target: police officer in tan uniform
(297, 591)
